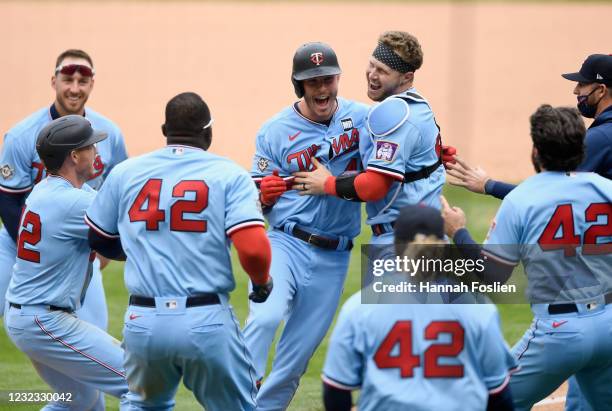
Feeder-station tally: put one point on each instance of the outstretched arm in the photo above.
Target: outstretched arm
(476, 180)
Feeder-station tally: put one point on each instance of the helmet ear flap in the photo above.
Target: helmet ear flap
(297, 86)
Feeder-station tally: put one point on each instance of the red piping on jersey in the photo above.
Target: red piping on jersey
(15, 191)
(64, 343)
(98, 229)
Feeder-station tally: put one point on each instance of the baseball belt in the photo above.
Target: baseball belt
(193, 301)
(317, 240)
(51, 308)
(380, 229)
(567, 308)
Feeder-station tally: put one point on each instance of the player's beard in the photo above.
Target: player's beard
(535, 161)
(67, 107)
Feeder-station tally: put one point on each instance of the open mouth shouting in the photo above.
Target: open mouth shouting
(322, 102)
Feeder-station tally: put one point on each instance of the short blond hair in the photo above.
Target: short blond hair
(405, 45)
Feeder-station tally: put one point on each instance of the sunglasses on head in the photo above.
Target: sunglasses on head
(70, 69)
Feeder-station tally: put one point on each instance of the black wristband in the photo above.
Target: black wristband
(345, 188)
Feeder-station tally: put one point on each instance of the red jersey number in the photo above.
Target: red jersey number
(401, 336)
(146, 206)
(560, 232)
(30, 234)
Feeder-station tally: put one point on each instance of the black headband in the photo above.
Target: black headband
(387, 56)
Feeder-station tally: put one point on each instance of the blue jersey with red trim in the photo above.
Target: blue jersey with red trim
(22, 168)
(403, 137)
(393, 353)
(288, 141)
(550, 223)
(174, 209)
(51, 229)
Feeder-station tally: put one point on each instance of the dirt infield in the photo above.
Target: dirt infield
(487, 66)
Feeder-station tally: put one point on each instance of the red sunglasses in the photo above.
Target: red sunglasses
(70, 69)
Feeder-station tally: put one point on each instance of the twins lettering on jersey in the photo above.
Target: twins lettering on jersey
(339, 146)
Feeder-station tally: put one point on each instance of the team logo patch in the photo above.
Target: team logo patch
(262, 164)
(6, 172)
(347, 124)
(317, 58)
(386, 150)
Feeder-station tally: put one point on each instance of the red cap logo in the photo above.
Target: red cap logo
(317, 58)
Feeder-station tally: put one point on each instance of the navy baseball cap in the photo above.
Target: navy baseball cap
(597, 68)
(418, 219)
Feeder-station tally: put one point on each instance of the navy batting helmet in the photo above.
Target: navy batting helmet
(311, 60)
(58, 138)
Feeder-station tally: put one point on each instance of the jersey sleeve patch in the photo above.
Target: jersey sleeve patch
(387, 117)
(6, 171)
(386, 150)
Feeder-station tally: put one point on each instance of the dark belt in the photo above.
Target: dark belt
(51, 308)
(380, 229)
(194, 301)
(317, 240)
(572, 308)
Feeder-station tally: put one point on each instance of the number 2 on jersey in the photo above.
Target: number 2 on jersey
(152, 215)
(29, 235)
(401, 336)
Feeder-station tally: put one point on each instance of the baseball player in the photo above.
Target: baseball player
(21, 168)
(402, 151)
(594, 93)
(562, 237)
(392, 352)
(174, 212)
(52, 272)
(310, 236)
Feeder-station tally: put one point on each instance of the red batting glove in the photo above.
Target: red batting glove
(271, 188)
(448, 155)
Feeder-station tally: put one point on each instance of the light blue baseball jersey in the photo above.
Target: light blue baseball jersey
(288, 141)
(22, 168)
(52, 228)
(174, 209)
(418, 357)
(553, 235)
(402, 138)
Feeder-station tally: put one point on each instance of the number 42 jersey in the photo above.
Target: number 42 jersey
(418, 356)
(173, 210)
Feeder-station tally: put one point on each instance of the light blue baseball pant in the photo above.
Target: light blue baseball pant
(93, 310)
(574, 400)
(203, 345)
(70, 355)
(558, 346)
(308, 283)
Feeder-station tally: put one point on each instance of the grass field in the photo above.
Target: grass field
(18, 375)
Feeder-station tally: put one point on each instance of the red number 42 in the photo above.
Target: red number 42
(406, 361)
(563, 220)
(152, 215)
